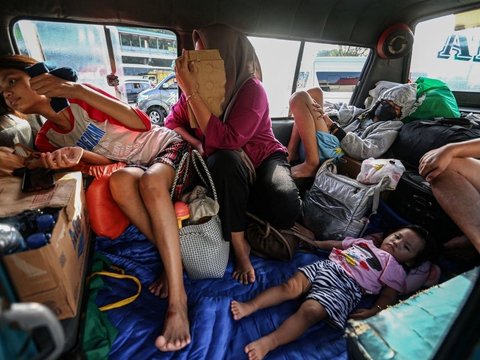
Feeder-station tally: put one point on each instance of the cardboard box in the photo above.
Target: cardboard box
(211, 79)
(52, 274)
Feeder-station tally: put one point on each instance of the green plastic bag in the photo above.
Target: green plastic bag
(439, 100)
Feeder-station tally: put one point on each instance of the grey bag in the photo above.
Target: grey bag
(204, 251)
(337, 206)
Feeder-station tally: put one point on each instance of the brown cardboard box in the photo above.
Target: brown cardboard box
(52, 274)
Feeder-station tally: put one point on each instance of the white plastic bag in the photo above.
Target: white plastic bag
(374, 170)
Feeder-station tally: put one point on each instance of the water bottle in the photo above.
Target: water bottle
(28, 230)
(37, 240)
(11, 240)
(45, 222)
(32, 221)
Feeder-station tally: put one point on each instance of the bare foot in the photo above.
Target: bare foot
(160, 286)
(176, 330)
(240, 310)
(304, 170)
(243, 271)
(257, 350)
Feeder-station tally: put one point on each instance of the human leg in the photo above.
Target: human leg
(244, 271)
(332, 295)
(307, 114)
(296, 100)
(297, 285)
(231, 180)
(309, 313)
(304, 130)
(154, 187)
(293, 144)
(275, 197)
(457, 190)
(124, 188)
(317, 94)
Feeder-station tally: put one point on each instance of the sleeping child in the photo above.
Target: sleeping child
(334, 286)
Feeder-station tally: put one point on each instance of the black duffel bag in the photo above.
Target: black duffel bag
(417, 137)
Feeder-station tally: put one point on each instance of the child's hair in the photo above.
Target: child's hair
(430, 249)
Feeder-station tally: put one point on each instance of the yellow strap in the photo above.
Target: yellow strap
(123, 302)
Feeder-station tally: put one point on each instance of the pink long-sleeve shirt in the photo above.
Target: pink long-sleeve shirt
(248, 126)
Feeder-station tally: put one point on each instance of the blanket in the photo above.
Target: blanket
(214, 333)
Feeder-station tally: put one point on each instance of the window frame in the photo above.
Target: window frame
(467, 101)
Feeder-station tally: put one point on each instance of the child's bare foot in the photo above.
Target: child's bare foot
(257, 350)
(240, 310)
(304, 170)
(176, 330)
(160, 286)
(243, 271)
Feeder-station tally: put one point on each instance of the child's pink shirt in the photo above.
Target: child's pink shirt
(370, 266)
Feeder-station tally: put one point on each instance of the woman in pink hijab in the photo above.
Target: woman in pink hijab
(248, 164)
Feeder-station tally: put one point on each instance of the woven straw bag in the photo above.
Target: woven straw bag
(204, 251)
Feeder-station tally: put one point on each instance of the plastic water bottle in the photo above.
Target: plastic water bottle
(45, 222)
(30, 229)
(38, 240)
(11, 240)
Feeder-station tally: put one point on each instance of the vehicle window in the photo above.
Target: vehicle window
(172, 83)
(447, 48)
(138, 52)
(336, 69)
(278, 59)
(150, 53)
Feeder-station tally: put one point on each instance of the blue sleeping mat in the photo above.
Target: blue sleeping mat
(215, 335)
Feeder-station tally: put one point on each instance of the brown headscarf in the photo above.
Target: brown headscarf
(238, 54)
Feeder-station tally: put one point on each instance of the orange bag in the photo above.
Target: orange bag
(106, 218)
